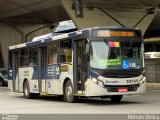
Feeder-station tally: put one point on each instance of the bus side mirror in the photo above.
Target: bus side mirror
(87, 53)
(87, 48)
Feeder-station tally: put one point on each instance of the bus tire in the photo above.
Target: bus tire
(68, 93)
(35, 95)
(26, 91)
(116, 98)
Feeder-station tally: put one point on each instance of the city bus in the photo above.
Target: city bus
(104, 62)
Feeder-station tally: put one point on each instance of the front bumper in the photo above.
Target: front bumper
(93, 89)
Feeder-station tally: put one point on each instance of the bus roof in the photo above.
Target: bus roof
(56, 36)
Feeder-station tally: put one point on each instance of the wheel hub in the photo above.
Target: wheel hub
(69, 92)
(26, 91)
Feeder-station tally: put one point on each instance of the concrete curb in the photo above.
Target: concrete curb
(153, 86)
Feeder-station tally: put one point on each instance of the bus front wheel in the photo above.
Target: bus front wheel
(26, 91)
(68, 93)
(116, 98)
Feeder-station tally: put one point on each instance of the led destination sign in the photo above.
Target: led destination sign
(109, 33)
(121, 34)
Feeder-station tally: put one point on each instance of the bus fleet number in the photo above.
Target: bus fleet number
(132, 81)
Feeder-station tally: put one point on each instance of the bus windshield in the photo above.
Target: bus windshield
(116, 55)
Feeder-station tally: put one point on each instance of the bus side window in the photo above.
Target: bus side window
(24, 57)
(32, 56)
(52, 53)
(65, 51)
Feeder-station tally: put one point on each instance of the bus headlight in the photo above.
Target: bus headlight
(143, 79)
(98, 82)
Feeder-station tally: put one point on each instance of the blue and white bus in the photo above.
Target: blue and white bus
(105, 62)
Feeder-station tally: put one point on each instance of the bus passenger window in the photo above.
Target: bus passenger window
(52, 53)
(24, 57)
(65, 51)
(32, 56)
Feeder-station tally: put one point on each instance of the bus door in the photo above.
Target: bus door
(15, 61)
(81, 64)
(42, 68)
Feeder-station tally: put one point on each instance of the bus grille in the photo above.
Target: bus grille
(114, 88)
(122, 74)
(119, 73)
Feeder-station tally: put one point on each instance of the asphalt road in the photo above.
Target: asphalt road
(142, 104)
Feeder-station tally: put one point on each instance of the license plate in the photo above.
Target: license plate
(122, 89)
